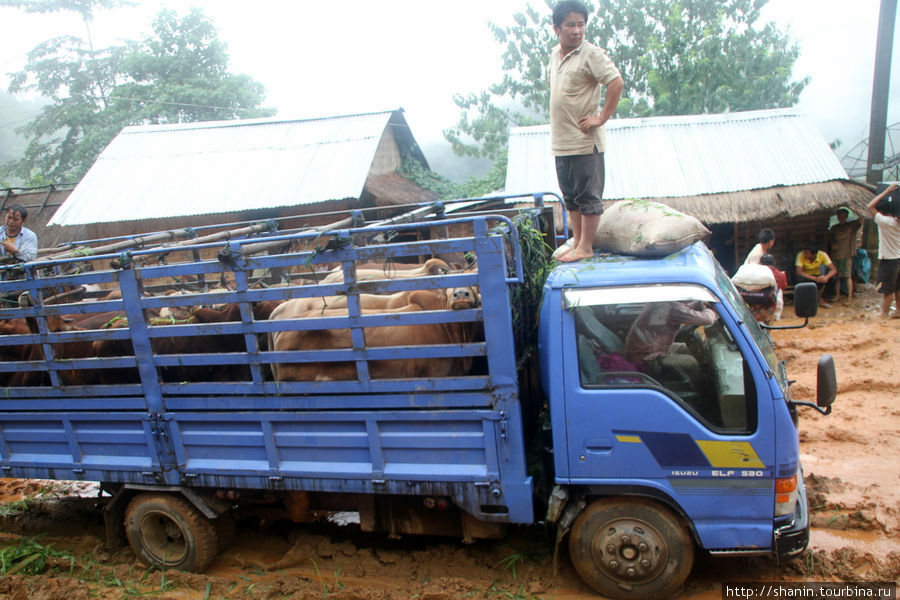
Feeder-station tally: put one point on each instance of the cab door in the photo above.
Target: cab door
(689, 423)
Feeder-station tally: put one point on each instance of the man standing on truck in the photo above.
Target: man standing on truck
(19, 244)
(578, 72)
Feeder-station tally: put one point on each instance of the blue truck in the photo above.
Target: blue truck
(639, 463)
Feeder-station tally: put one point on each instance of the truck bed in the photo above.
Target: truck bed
(460, 436)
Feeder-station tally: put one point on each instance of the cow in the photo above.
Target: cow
(224, 343)
(35, 352)
(297, 306)
(364, 272)
(394, 335)
(13, 353)
(232, 312)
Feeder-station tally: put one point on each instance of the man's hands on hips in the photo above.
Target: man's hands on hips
(590, 123)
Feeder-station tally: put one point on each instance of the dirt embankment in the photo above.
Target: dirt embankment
(850, 460)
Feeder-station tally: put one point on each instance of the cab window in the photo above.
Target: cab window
(676, 343)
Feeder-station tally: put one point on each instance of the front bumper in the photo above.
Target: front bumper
(792, 537)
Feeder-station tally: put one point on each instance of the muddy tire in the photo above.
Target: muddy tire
(631, 548)
(167, 531)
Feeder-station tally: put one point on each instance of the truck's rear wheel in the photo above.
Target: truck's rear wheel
(168, 531)
(631, 548)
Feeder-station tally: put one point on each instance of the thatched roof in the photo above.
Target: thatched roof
(773, 203)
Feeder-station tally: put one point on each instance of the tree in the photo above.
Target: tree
(681, 57)
(178, 75)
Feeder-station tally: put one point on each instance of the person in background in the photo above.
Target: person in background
(780, 283)
(19, 244)
(766, 241)
(810, 263)
(577, 73)
(887, 281)
(842, 244)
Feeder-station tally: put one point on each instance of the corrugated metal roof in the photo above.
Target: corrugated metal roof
(160, 171)
(691, 155)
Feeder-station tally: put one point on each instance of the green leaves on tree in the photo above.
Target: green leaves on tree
(681, 57)
(180, 74)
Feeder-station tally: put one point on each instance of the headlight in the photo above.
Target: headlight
(785, 495)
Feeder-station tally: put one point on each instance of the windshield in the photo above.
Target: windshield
(760, 336)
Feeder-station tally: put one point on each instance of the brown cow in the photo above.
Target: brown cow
(13, 353)
(298, 306)
(232, 312)
(431, 267)
(35, 352)
(395, 335)
(189, 345)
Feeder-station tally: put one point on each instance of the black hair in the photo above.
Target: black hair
(812, 247)
(766, 235)
(19, 209)
(565, 7)
(767, 259)
(884, 206)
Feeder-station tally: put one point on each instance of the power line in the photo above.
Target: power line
(22, 120)
(168, 103)
(162, 102)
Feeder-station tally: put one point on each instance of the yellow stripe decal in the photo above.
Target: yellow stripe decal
(730, 454)
(633, 439)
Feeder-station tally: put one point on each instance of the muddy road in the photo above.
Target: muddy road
(852, 472)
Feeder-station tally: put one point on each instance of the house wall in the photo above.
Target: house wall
(791, 234)
(40, 204)
(387, 156)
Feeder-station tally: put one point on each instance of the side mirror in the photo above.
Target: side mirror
(806, 299)
(826, 382)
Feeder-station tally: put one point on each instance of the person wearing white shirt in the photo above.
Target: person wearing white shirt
(888, 279)
(766, 241)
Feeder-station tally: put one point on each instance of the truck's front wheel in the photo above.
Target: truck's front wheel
(168, 531)
(631, 548)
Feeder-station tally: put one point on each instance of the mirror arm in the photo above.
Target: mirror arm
(824, 411)
(780, 327)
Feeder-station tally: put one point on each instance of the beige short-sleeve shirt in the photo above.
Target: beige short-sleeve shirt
(576, 84)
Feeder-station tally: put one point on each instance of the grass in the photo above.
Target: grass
(10, 509)
(325, 586)
(28, 557)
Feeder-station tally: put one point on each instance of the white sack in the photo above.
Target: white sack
(753, 277)
(642, 228)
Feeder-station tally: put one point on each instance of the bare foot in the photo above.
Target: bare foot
(574, 256)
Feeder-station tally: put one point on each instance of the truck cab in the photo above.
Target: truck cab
(671, 421)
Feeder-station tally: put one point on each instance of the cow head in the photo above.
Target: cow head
(435, 266)
(463, 297)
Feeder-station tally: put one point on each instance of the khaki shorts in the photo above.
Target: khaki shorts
(844, 266)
